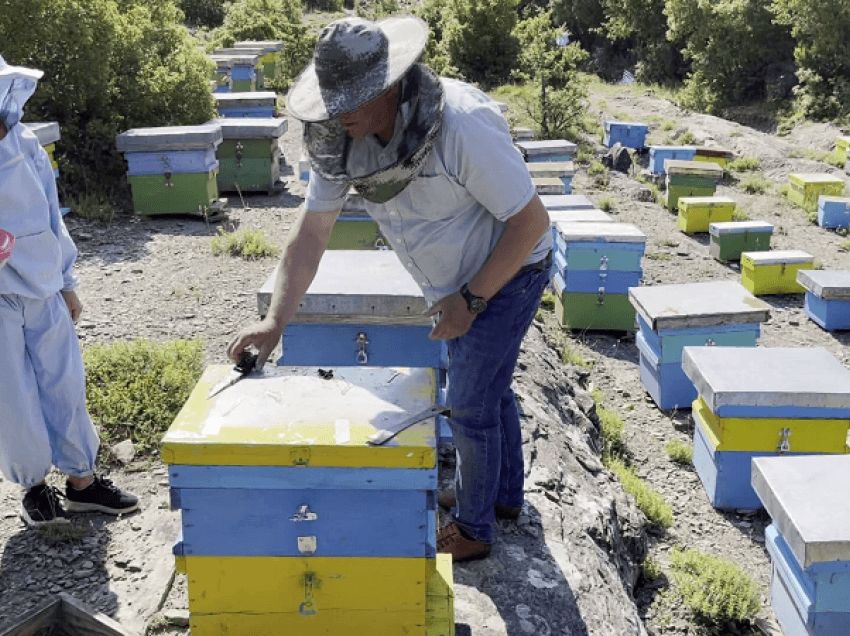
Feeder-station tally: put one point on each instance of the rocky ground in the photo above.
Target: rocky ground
(157, 278)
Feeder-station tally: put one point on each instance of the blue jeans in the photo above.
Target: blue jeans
(485, 418)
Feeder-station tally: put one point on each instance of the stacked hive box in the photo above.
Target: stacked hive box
(697, 213)
(842, 146)
(690, 179)
(671, 317)
(827, 298)
(546, 150)
(808, 541)
(291, 522)
(805, 188)
(222, 74)
(552, 175)
(272, 55)
(554, 202)
(628, 134)
(834, 212)
(362, 309)
(256, 104)
(522, 134)
(727, 241)
(571, 208)
(720, 156)
(659, 154)
(249, 154)
(173, 170)
(595, 265)
(774, 272)
(246, 75)
(48, 134)
(236, 72)
(756, 402)
(355, 230)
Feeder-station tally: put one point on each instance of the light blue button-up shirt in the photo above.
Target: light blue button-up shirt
(445, 224)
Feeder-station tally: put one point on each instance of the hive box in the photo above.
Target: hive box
(259, 52)
(240, 68)
(808, 541)
(697, 213)
(270, 59)
(595, 264)
(834, 212)
(173, 169)
(805, 188)
(590, 215)
(690, 179)
(549, 185)
(626, 133)
(554, 202)
(720, 156)
(842, 144)
(727, 241)
(222, 74)
(768, 391)
(256, 104)
(659, 154)
(562, 170)
(546, 150)
(249, 154)
(774, 272)
(671, 317)
(522, 134)
(278, 501)
(48, 134)
(827, 297)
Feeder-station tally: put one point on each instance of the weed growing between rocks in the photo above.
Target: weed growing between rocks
(248, 244)
(648, 500)
(743, 164)
(844, 246)
(605, 204)
(754, 184)
(679, 452)
(135, 389)
(739, 214)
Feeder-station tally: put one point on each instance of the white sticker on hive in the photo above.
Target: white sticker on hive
(343, 432)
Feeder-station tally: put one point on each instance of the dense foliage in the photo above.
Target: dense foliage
(204, 13)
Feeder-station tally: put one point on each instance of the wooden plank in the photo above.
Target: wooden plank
(35, 620)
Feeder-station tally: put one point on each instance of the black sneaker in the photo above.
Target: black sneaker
(100, 496)
(42, 505)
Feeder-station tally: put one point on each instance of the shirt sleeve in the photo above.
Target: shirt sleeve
(481, 154)
(323, 195)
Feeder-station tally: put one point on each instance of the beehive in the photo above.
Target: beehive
(827, 299)
(720, 156)
(671, 317)
(249, 154)
(697, 213)
(257, 104)
(562, 170)
(258, 80)
(805, 188)
(549, 185)
(546, 150)
(834, 212)
(241, 69)
(659, 154)
(628, 134)
(48, 134)
(553, 202)
(690, 179)
(774, 272)
(271, 58)
(727, 241)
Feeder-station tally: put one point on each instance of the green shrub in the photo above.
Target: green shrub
(605, 204)
(93, 207)
(783, 189)
(205, 13)
(686, 138)
(713, 588)
(547, 301)
(739, 214)
(744, 164)
(376, 9)
(249, 244)
(667, 126)
(650, 569)
(659, 256)
(135, 389)
(584, 156)
(680, 452)
(572, 357)
(651, 503)
(754, 184)
(844, 246)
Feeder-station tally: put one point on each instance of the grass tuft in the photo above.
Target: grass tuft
(93, 207)
(547, 301)
(679, 452)
(249, 244)
(744, 164)
(754, 184)
(844, 246)
(739, 214)
(650, 569)
(605, 204)
(659, 256)
(648, 500)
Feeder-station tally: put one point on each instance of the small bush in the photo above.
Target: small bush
(679, 451)
(605, 204)
(94, 207)
(755, 184)
(740, 214)
(547, 301)
(714, 588)
(135, 389)
(744, 164)
(584, 156)
(601, 175)
(844, 246)
(668, 125)
(783, 189)
(650, 569)
(572, 357)
(686, 139)
(648, 501)
(659, 256)
(249, 244)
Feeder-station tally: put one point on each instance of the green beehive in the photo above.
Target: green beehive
(249, 154)
(271, 58)
(355, 229)
(729, 240)
(690, 179)
(605, 312)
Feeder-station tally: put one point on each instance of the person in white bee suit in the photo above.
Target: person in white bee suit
(43, 417)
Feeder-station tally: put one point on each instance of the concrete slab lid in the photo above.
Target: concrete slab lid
(589, 215)
(778, 257)
(565, 201)
(551, 169)
(826, 284)
(600, 232)
(252, 127)
(169, 138)
(767, 377)
(692, 168)
(235, 59)
(707, 201)
(815, 177)
(537, 147)
(258, 98)
(713, 303)
(268, 45)
(806, 498)
(738, 227)
(46, 131)
(366, 283)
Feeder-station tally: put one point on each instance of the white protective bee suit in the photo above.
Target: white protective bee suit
(43, 417)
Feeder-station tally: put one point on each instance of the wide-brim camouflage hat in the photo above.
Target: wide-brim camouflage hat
(355, 61)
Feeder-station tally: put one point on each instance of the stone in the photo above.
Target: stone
(124, 452)
(176, 617)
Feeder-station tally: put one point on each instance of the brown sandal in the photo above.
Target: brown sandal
(451, 541)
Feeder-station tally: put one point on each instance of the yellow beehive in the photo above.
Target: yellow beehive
(774, 272)
(841, 146)
(805, 188)
(697, 213)
(720, 156)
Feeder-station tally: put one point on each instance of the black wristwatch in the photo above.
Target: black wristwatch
(474, 303)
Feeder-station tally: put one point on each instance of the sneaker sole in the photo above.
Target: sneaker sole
(32, 523)
(76, 506)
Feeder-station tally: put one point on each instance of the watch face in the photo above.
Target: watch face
(477, 305)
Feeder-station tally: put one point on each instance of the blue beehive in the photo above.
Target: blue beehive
(659, 154)
(362, 309)
(808, 541)
(560, 170)
(833, 212)
(248, 104)
(546, 150)
(671, 317)
(756, 402)
(827, 297)
(628, 134)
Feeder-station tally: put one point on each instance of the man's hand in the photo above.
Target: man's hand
(74, 304)
(456, 318)
(263, 335)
